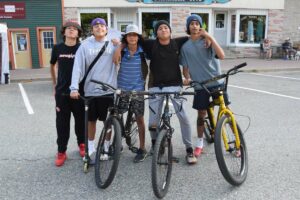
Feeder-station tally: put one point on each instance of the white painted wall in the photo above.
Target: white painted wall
(252, 4)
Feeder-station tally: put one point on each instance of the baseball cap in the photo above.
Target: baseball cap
(131, 28)
(98, 21)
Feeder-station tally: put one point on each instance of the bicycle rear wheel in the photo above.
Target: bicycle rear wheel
(161, 164)
(233, 162)
(108, 155)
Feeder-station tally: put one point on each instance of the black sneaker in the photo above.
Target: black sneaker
(140, 156)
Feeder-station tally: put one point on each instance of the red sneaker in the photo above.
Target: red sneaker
(198, 151)
(60, 159)
(81, 149)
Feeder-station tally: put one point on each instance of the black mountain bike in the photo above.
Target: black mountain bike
(110, 141)
(163, 152)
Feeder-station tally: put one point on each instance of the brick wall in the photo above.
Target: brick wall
(71, 14)
(179, 15)
(292, 20)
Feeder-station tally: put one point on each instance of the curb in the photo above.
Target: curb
(29, 80)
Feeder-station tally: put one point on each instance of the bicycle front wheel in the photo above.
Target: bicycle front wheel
(233, 162)
(162, 164)
(131, 131)
(108, 153)
(208, 131)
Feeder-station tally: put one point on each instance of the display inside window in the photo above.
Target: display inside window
(252, 28)
(149, 20)
(220, 21)
(205, 18)
(22, 42)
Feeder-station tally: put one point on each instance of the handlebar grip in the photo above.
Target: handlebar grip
(240, 66)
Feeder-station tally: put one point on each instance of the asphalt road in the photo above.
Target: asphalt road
(270, 100)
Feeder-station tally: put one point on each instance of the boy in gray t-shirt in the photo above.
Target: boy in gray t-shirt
(200, 63)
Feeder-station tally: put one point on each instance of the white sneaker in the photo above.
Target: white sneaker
(92, 157)
(104, 156)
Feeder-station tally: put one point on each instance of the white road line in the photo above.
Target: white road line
(26, 100)
(265, 92)
(283, 77)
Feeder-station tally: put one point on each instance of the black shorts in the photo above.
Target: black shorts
(98, 107)
(201, 98)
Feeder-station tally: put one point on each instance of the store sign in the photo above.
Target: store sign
(12, 10)
(175, 1)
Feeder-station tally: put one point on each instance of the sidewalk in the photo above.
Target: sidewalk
(253, 65)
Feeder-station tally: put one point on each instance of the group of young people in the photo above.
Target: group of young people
(124, 66)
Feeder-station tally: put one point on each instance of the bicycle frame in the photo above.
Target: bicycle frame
(165, 118)
(223, 109)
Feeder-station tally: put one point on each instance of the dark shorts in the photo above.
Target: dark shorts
(136, 105)
(202, 98)
(98, 107)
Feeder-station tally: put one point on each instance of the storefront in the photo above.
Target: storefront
(32, 31)
(237, 25)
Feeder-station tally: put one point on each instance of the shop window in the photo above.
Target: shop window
(232, 33)
(86, 19)
(220, 21)
(252, 28)
(205, 18)
(149, 20)
(48, 39)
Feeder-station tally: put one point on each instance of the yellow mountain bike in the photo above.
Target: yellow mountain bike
(223, 130)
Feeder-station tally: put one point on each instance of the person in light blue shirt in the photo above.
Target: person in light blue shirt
(199, 64)
(131, 76)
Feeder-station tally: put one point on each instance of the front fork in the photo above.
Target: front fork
(227, 112)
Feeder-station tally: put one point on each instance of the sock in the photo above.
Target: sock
(91, 146)
(199, 142)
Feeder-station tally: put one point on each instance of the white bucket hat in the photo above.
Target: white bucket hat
(131, 28)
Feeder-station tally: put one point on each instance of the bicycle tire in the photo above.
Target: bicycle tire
(131, 130)
(208, 132)
(113, 154)
(241, 156)
(162, 142)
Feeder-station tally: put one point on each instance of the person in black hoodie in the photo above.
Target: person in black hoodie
(62, 59)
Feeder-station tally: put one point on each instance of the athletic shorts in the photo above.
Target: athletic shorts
(202, 98)
(136, 105)
(98, 107)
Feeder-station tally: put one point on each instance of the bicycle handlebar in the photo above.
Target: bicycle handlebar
(231, 71)
(141, 93)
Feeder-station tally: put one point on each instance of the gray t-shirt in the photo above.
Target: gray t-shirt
(201, 62)
(104, 69)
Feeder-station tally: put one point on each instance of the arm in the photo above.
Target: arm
(117, 54)
(185, 70)
(214, 44)
(186, 74)
(53, 67)
(78, 72)
(180, 41)
(147, 46)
